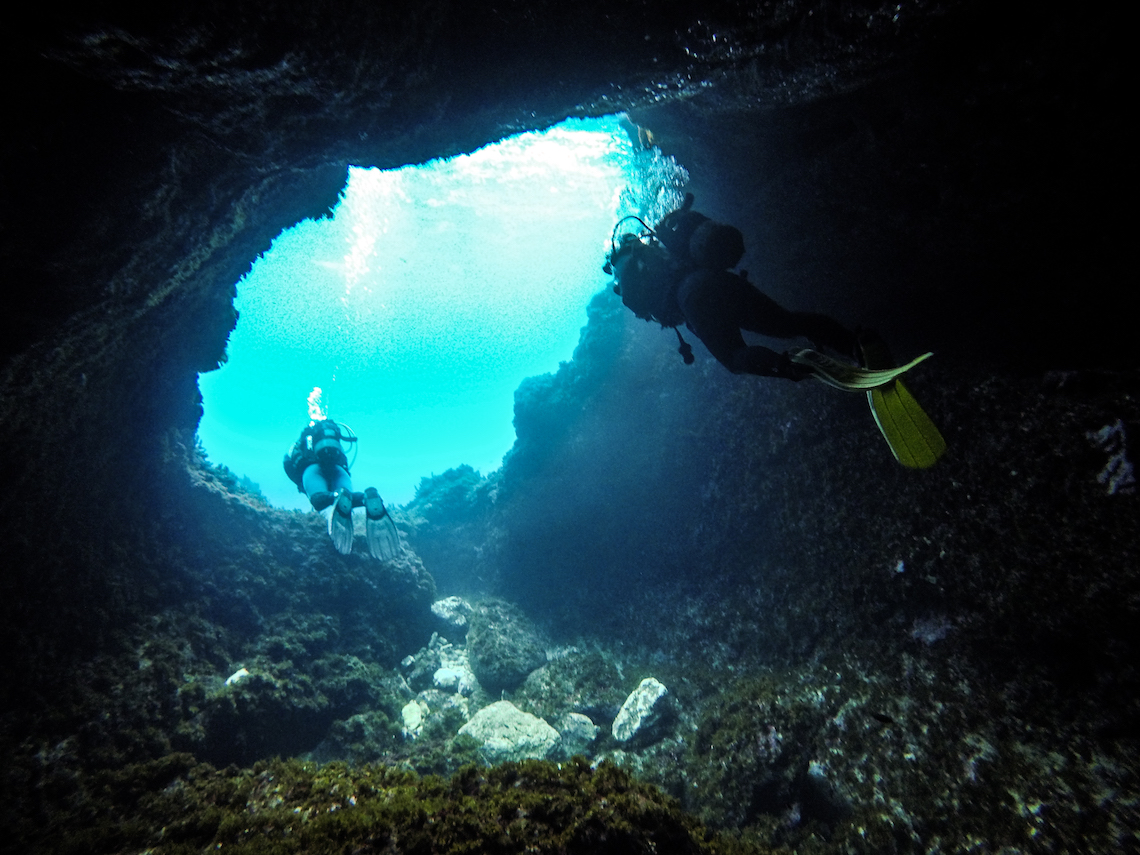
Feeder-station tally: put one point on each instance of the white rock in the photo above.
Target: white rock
(645, 708)
(236, 677)
(508, 733)
(446, 679)
(413, 718)
(455, 659)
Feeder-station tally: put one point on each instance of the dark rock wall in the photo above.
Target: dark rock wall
(966, 205)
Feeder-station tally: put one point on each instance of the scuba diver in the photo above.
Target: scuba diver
(319, 467)
(679, 272)
(681, 275)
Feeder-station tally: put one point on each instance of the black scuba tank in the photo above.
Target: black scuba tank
(326, 443)
(715, 246)
(694, 238)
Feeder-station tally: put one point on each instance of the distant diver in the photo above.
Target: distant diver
(319, 467)
(679, 272)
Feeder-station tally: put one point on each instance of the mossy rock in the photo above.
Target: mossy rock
(503, 646)
(177, 806)
(749, 760)
(588, 683)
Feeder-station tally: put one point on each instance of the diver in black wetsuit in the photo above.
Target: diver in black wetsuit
(681, 275)
(319, 467)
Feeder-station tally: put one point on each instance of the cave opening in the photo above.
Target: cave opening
(414, 310)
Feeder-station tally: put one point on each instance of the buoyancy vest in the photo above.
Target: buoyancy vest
(647, 277)
(319, 443)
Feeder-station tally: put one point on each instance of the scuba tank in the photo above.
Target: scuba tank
(325, 438)
(320, 443)
(702, 242)
(323, 441)
(716, 246)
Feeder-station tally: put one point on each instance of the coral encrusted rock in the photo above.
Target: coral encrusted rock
(507, 733)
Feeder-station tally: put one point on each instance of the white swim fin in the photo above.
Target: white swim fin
(383, 538)
(340, 522)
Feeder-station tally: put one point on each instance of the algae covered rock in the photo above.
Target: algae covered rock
(503, 646)
(645, 714)
(577, 732)
(275, 709)
(506, 733)
(362, 738)
(413, 715)
(289, 806)
(751, 760)
(452, 612)
(578, 681)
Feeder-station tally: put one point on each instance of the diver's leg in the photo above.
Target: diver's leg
(317, 487)
(712, 306)
(339, 479)
(759, 313)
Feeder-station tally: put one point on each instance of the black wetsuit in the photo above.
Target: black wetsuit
(718, 304)
(682, 278)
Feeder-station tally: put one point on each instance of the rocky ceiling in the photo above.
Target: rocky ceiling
(150, 156)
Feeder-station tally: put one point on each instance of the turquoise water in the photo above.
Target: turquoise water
(422, 303)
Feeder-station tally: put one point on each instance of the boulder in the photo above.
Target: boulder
(507, 733)
(448, 680)
(412, 716)
(453, 613)
(643, 716)
(503, 646)
(577, 732)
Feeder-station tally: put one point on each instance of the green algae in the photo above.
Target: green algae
(176, 805)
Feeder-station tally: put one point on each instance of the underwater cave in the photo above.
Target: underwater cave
(730, 620)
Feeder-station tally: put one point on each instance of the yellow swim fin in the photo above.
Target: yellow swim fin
(912, 436)
(908, 430)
